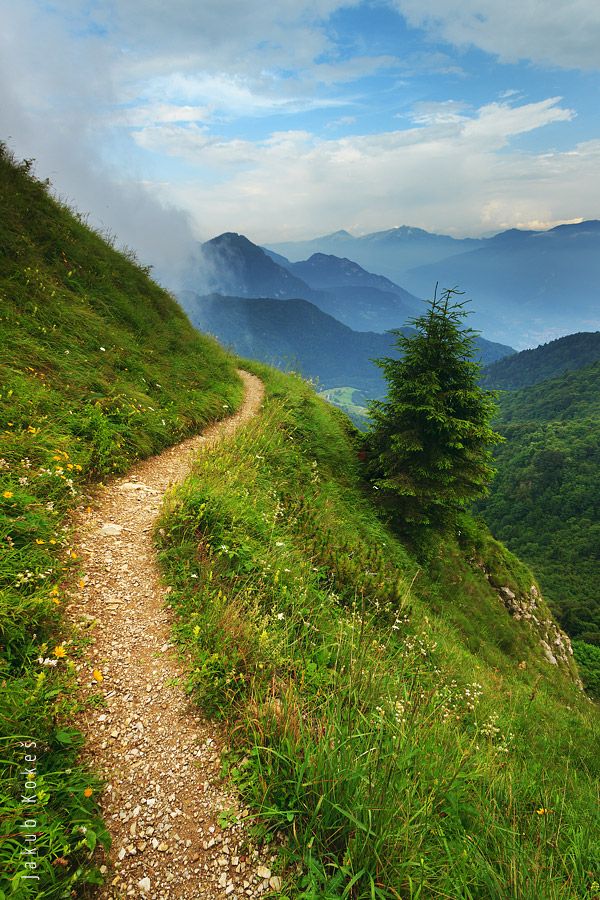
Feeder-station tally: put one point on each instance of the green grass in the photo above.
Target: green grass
(390, 720)
(98, 367)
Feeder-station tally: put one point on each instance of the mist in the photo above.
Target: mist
(65, 136)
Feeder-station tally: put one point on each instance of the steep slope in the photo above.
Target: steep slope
(98, 367)
(545, 500)
(528, 286)
(411, 728)
(547, 361)
(404, 726)
(231, 264)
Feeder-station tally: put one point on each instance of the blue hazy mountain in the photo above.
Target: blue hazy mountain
(389, 252)
(526, 287)
(232, 265)
(296, 334)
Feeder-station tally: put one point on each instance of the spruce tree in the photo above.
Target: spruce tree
(429, 447)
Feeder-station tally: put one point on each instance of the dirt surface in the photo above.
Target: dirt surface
(172, 821)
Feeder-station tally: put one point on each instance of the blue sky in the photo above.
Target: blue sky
(171, 122)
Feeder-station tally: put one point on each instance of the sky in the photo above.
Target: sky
(174, 122)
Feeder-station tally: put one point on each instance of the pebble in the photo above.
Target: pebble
(111, 530)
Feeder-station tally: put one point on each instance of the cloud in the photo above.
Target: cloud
(456, 176)
(54, 108)
(543, 31)
(242, 36)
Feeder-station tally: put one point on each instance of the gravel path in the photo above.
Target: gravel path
(160, 757)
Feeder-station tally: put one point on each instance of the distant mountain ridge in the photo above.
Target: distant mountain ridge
(390, 252)
(529, 367)
(232, 265)
(526, 287)
(297, 334)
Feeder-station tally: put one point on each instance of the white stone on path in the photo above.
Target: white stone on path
(110, 530)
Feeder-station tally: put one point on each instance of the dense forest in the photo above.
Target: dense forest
(567, 354)
(545, 499)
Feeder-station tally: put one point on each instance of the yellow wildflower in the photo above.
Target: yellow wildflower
(39, 541)
(7, 495)
(59, 651)
(88, 792)
(97, 675)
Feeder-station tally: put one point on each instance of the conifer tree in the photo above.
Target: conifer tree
(429, 447)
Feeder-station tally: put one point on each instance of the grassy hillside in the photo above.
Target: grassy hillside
(98, 366)
(399, 725)
(545, 499)
(408, 728)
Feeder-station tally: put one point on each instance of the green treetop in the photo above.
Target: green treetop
(430, 440)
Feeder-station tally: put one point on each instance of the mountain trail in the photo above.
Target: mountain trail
(177, 831)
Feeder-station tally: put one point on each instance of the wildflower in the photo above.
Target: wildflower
(7, 495)
(88, 792)
(280, 616)
(542, 811)
(39, 541)
(97, 675)
(59, 651)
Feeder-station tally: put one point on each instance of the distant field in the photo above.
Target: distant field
(352, 401)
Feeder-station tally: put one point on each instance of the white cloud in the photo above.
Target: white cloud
(242, 36)
(552, 32)
(455, 176)
(231, 96)
(54, 108)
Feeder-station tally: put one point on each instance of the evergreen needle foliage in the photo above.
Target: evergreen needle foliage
(430, 441)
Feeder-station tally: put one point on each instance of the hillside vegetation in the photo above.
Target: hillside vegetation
(398, 725)
(545, 499)
(567, 354)
(98, 366)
